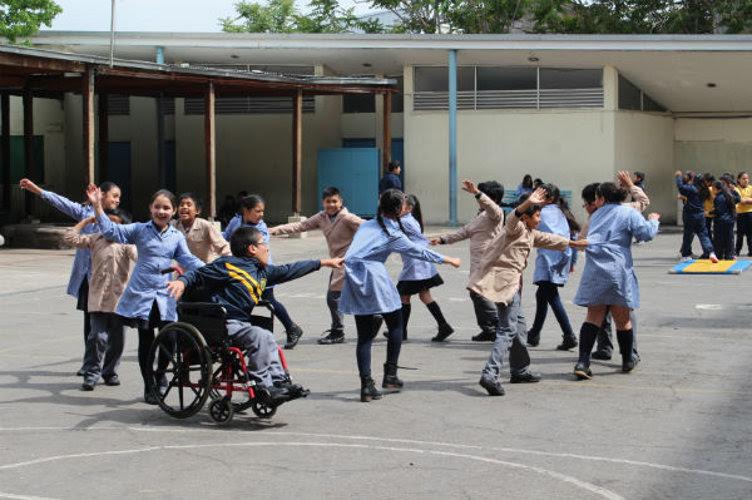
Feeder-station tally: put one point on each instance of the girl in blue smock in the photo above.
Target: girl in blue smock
(552, 269)
(368, 291)
(78, 284)
(252, 215)
(146, 303)
(417, 275)
(608, 281)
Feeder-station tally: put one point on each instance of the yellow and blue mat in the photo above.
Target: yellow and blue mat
(704, 266)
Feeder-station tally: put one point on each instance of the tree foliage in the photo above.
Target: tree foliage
(282, 16)
(22, 18)
(499, 16)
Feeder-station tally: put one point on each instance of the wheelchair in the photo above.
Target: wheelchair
(183, 359)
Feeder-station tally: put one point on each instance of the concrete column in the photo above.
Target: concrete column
(610, 88)
(453, 137)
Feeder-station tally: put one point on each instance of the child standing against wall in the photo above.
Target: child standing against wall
(111, 264)
(339, 227)
(252, 215)
(744, 213)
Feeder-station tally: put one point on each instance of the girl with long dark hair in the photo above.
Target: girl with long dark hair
(368, 290)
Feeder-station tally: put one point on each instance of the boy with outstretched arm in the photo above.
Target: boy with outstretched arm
(237, 283)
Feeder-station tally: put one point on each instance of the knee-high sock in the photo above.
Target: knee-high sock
(435, 311)
(406, 308)
(588, 333)
(626, 343)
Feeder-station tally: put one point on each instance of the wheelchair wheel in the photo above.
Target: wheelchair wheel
(221, 411)
(240, 399)
(263, 410)
(182, 368)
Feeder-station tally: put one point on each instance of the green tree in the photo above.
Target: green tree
(282, 16)
(22, 18)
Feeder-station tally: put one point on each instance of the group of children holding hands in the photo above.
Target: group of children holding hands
(121, 275)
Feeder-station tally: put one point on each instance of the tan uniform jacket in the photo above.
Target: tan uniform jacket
(204, 240)
(640, 202)
(498, 276)
(481, 230)
(111, 266)
(338, 232)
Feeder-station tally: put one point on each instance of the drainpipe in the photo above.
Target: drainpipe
(453, 137)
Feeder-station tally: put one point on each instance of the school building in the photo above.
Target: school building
(568, 109)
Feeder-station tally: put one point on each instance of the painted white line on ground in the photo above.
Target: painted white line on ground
(401, 441)
(610, 495)
(22, 497)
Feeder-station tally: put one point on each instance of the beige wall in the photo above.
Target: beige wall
(505, 146)
(254, 153)
(645, 142)
(714, 145)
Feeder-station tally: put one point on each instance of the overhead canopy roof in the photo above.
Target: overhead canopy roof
(51, 73)
(674, 70)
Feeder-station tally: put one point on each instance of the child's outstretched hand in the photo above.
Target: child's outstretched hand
(435, 241)
(333, 263)
(176, 289)
(30, 186)
(579, 244)
(538, 197)
(94, 195)
(654, 216)
(470, 187)
(453, 261)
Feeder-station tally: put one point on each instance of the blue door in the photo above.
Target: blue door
(398, 150)
(119, 170)
(355, 172)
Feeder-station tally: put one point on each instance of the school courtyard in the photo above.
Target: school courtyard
(677, 427)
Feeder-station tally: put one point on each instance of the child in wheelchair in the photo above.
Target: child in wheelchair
(237, 282)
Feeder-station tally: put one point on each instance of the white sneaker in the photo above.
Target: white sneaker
(686, 259)
(713, 258)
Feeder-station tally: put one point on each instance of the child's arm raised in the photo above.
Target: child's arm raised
(493, 210)
(119, 233)
(74, 210)
(73, 236)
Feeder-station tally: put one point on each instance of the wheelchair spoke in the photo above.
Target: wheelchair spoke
(180, 396)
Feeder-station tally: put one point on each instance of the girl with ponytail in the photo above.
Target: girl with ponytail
(368, 290)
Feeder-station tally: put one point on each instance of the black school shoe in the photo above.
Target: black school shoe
(493, 387)
(293, 336)
(582, 372)
(332, 337)
(533, 339)
(444, 331)
(112, 381)
(601, 355)
(629, 364)
(567, 344)
(87, 386)
(484, 337)
(525, 378)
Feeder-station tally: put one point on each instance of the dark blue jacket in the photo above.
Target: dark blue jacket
(694, 205)
(237, 283)
(390, 181)
(721, 208)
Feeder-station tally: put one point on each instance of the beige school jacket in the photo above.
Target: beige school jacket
(640, 202)
(338, 231)
(498, 276)
(111, 266)
(481, 230)
(204, 241)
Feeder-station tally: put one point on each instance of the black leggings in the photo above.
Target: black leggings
(145, 341)
(366, 326)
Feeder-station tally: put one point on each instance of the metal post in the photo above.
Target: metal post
(5, 147)
(210, 150)
(87, 93)
(112, 34)
(297, 151)
(387, 130)
(103, 110)
(28, 126)
(160, 55)
(453, 137)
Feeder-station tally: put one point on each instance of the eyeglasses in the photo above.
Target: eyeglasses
(260, 243)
